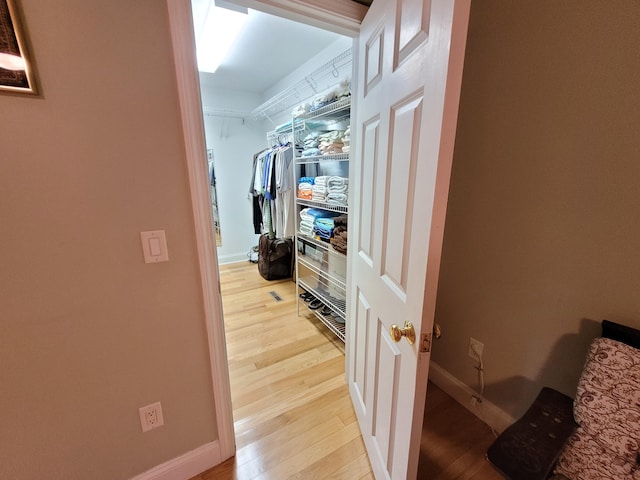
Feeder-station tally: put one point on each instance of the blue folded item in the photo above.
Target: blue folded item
(325, 222)
(311, 152)
(318, 213)
(310, 180)
(322, 231)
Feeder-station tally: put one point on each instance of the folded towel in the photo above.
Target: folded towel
(343, 189)
(339, 241)
(330, 149)
(306, 229)
(301, 109)
(325, 222)
(305, 191)
(319, 193)
(337, 198)
(341, 222)
(335, 181)
(311, 152)
(322, 232)
(312, 214)
(306, 223)
(334, 136)
(309, 180)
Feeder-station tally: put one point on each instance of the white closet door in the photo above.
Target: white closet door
(409, 73)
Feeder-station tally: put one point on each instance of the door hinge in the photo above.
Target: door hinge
(425, 343)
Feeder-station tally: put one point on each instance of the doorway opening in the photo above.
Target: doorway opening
(287, 371)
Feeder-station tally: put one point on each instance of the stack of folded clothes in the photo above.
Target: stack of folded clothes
(319, 192)
(339, 239)
(346, 140)
(339, 92)
(306, 222)
(309, 219)
(344, 89)
(311, 143)
(301, 110)
(323, 228)
(305, 188)
(337, 190)
(324, 99)
(331, 142)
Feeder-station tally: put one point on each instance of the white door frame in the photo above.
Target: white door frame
(182, 38)
(184, 57)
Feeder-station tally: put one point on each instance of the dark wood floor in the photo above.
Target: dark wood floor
(292, 411)
(454, 441)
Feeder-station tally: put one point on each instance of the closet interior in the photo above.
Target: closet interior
(281, 163)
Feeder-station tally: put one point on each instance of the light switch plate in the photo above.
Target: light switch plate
(154, 246)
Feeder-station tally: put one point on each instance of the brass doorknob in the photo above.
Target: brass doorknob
(407, 331)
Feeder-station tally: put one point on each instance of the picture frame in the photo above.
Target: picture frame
(16, 65)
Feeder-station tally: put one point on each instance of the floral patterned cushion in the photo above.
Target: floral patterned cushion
(607, 408)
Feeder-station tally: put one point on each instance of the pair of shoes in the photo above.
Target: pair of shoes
(315, 304)
(326, 311)
(307, 297)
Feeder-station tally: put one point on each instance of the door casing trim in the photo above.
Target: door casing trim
(188, 88)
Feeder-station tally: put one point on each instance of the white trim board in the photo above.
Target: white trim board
(184, 47)
(185, 466)
(336, 16)
(486, 411)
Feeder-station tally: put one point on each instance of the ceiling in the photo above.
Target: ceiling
(268, 48)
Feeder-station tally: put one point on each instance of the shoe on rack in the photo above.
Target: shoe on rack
(315, 304)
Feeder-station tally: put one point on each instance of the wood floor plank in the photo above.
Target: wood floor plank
(293, 416)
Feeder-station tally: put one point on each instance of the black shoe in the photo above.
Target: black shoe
(315, 304)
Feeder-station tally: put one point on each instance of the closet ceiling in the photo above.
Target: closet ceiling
(268, 49)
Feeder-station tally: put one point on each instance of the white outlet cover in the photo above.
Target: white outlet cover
(151, 416)
(476, 349)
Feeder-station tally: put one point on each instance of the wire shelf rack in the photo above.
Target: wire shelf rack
(303, 89)
(323, 205)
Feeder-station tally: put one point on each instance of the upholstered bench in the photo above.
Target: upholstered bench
(594, 437)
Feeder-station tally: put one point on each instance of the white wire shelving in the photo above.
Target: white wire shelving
(303, 89)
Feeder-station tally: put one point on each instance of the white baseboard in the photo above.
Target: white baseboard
(185, 466)
(233, 258)
(486, 411)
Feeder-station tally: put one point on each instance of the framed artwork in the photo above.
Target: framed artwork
(16, 68)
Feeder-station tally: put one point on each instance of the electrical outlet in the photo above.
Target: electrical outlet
(475, 349)
(151, 416)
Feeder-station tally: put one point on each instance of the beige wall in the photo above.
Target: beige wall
(88, 332)
(544, 210)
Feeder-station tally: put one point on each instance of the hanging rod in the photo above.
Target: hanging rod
(303, 89)
(226, 113)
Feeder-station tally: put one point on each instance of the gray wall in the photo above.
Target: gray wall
(88, 332)
(544, 207)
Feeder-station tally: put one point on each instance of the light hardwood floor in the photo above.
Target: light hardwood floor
(292, 411)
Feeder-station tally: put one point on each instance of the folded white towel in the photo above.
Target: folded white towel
(321, 180)
(306, 229)
(306, 223)
(301, 109)
(338, 189)
(337, 198)
(336, 181)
